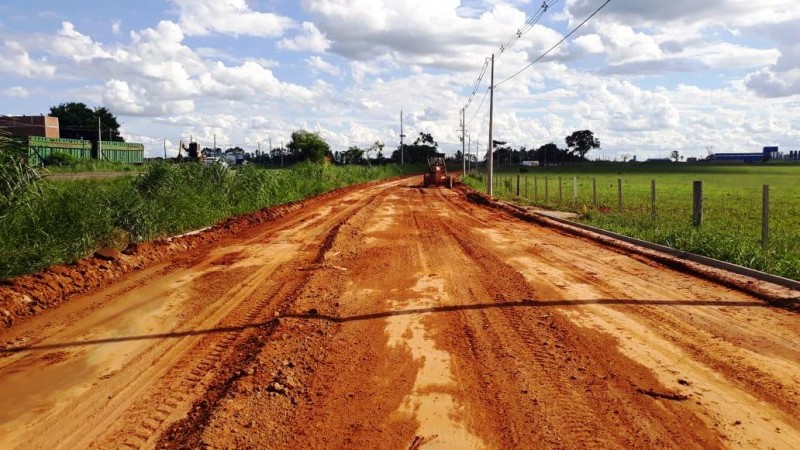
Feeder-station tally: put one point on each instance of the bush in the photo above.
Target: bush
(59, 159)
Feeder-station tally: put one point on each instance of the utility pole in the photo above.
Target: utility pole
(489, 157)
(281, 152)
(215, 143)
(165, 148)
(469, 150)
(402, 136)
(99, 141)
(463, 151)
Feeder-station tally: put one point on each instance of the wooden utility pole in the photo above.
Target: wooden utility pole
(489, 157)
(463, 151)
(402, 136)
(469, 149)
(99, 141)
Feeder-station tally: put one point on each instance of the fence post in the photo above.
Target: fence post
(560, 191)
(765, 216)
(594, 191)
(517, 185)
(526, 187)
(546, 189)
(574, 190)
(536, 188)
(619, 194)
(653, 198)
(697, 204)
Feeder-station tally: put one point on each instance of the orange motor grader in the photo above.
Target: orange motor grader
(437, 172)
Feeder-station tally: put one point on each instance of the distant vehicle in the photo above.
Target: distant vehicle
(208, 160)
(437, 172)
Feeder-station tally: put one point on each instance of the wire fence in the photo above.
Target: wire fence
(729, 218)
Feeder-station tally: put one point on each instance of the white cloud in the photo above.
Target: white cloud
(123, 98)
(311, 40)
(768, 82)
(320, 65)
(15, 91)
(14, 59)
(233, 17)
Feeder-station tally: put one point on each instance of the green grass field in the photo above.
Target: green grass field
(731, 229)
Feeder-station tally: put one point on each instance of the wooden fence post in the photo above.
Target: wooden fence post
(560, 191)
(574, 190)
(536, 188)
(765, 216)
(594, 191)
(526, 186)
(653, 199)
(546, 189)
(619, 194)
(517, 185)
(697, 204)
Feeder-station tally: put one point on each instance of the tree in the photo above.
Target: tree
(418, 152)
(307, 146)
(549, 154)
(78, 121)
(676, 156)
(353, 155)
(580, 142)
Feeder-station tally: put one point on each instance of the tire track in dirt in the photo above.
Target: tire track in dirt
(400, 317)
(173, 371)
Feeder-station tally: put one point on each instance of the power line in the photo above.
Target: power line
(479, 107)
(557, 44)
(477, 83)
(529, 24)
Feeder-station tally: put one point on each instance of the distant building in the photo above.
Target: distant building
(766, 154)
(24, 126)
(530, 163)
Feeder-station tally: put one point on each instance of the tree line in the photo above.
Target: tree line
(78, 121)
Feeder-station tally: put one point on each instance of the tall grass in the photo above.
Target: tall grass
(731, 230)
(69, 220)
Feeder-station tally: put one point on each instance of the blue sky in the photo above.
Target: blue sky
(647, 77)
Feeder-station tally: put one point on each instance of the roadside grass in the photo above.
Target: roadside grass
(68, 220)
(731, 229)
(92, 165)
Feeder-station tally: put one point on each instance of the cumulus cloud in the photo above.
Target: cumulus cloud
(311, 40)
(320, 65)
(123, 98)
(233, 17)
(440, 37)
(16, 60)
(780, 78)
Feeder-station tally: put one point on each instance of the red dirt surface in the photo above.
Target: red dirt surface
(390, 316)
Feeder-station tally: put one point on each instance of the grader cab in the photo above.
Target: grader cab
(437, 172)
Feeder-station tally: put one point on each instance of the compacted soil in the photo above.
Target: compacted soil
(392, 316)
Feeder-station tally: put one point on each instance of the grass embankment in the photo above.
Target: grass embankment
(731, 229)
(59, 222)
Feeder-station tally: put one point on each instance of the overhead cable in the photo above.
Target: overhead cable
(557, 44)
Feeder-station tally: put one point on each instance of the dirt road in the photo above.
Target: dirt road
(399, 317)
